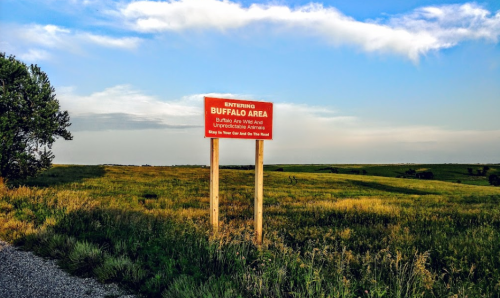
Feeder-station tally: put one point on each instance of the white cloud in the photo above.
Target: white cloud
(34, 41)
(425, 29)
(126, 104)
(123, 125)
(49, 36)
(34, 55)
(451, 24)
(128, 43)
(124, 99)
(53, 36)
(302, 133)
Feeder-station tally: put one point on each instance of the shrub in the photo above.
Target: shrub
(84, 258)
(411, 172)
(494, 180)
(425, 175)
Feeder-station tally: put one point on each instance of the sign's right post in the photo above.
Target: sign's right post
(259, 185)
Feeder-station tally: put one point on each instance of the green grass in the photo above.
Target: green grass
(325, 235)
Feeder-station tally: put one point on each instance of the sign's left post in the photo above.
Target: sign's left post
(214, 184)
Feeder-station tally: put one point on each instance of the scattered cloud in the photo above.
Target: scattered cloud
(128, 43)
(34, 55)
(411, 35)
(34, 41)
(305, 140)
(302, 133)
(52, 36)
(125, 99)
(123, 107)
(120, 121)
(451, 24)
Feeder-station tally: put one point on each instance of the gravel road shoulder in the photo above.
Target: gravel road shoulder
(23, 274)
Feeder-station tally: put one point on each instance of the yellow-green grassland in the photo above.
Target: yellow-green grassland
(326, 234)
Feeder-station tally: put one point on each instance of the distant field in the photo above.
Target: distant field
(325, 234)
(443, 172)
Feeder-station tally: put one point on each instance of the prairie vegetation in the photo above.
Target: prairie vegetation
(459, 173)
(325, 235)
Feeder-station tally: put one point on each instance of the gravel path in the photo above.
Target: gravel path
(22, 274)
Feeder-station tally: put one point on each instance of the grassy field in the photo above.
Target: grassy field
(458, 173)
(325, 235)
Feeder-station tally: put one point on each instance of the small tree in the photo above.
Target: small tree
(494, 180)
(470, 171)
(411, 172)
(30, 119)
(424, 175)
(485, 170)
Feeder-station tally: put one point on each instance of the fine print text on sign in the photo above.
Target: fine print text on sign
(238, 119)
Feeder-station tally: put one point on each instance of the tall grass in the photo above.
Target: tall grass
(325, 236)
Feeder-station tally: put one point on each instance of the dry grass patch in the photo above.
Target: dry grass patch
(368, 205)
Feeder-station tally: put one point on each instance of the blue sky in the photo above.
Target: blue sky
(352, 81)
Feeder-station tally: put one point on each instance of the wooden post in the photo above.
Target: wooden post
(214, 184)
(259, 193)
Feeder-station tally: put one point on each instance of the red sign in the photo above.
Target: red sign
(238, 119)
